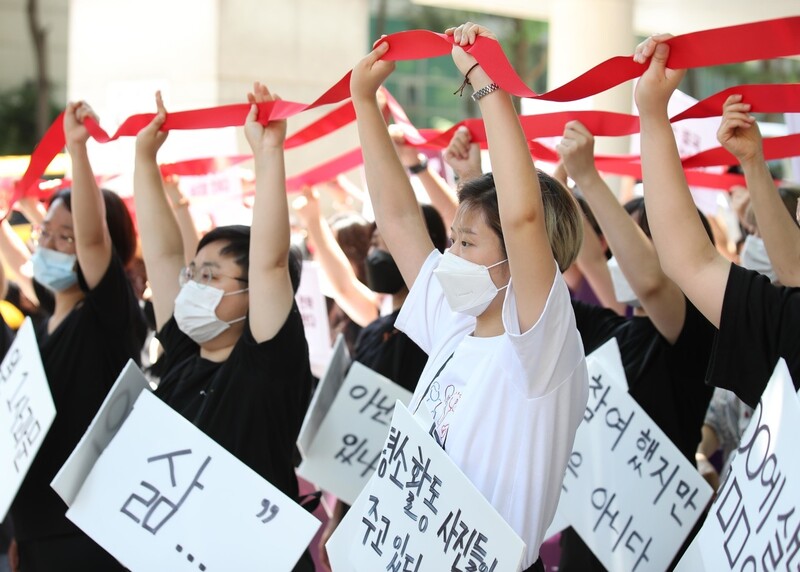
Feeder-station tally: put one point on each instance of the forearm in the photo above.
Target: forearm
(591, 261)
(680, 239)
(270, 229)
(161, 236)
(15, 255)
(390, 191)
(357, 301)
(88, 208)
(636, 255)
(442, 196)
(519, 198)
(777, 227)
(187, 228)
(709, 444)
(13, 250)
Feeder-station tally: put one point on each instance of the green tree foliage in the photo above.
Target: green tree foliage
(18, 120)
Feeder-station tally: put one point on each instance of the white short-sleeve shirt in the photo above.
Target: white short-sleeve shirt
(506, 407)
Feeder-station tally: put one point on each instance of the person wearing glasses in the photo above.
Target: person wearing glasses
(95, 327)
(236, 355)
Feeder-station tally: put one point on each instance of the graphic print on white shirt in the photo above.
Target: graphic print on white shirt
(449, 387)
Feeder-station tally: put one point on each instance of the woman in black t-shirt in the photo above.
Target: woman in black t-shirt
(236, 358)
(96, 327)
(757, 321)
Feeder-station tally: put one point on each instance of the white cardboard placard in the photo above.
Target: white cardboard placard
(26, 412)
(347, 446)
(314, 311)
(418, 503)
(628, 491)
(754, 523)
(109, 418)
(329, 385)
(165, 496)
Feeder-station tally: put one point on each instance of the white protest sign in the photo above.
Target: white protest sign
(345, 452)
(326, 391)
(628, 491)
(165, 496)
(423, 514)
(26, 412)
(109, 418)
(314, 311)
(754, 523)
(338, 545)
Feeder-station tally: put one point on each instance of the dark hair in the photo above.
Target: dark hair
(353, 233)
(237, 237)
(118, 220)
(587, 212)
(638, 212)
(435, 225)
(562, 216)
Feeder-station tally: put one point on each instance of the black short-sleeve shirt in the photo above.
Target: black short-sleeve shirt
(253, 403)
(82, 358)
(388, 351)
(760, 322)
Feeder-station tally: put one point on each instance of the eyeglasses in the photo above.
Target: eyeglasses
(203, 276)
(41, 234)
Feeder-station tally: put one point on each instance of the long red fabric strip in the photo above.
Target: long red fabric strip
(733, 44)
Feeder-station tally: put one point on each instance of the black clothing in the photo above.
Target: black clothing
(253, 403)
(65, 553)
(388, 351)
(759, 323)
(82, 358)
(665, 380)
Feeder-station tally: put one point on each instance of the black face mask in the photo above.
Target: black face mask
(382, 273)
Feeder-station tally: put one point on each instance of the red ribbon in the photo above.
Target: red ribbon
(720, 46)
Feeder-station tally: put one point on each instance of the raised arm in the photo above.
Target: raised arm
(183, 216)
(660, 297)
(15, 255)
(271, 294)
(396, 210)
(739, 134)
(519, 196)
(442, 196)
(162, 248)
(358, 302)
(92, 239)
(686, 254)
(592, 263)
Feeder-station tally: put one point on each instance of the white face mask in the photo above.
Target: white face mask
(754, 257)
(196, 311)
(468, 287)
(622, 289)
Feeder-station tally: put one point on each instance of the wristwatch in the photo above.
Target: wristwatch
(419, 167)
(484, 91)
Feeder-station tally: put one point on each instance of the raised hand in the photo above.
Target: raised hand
(576, 150)
(75, 132)
(408, 154)
(151, 138)
(738, 132)
(465, 35)
(463, 155)
(260, 136)
(371, 72)
(656, 85)
(307, 205)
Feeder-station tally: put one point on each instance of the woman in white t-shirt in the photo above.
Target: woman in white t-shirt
(506, 380)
